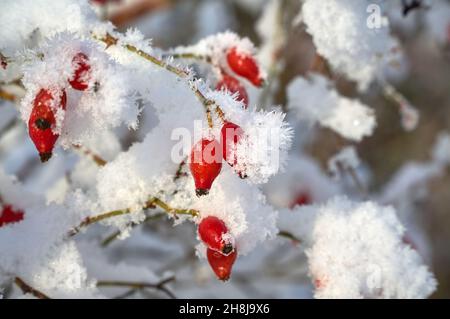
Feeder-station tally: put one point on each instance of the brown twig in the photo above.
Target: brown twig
(7, 96)
(139, 285)
(96, 158)
(288, 235)
(108, 240)
(26, 288)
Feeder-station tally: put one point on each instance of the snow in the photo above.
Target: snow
(358, 252)
(342, 35)
(314, 99)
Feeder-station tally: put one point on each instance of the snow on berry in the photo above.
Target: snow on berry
(315, 100)
(230, 134)
(262, 150)
(80, 80)
(221, 48)
(214, 233)
(233, 86)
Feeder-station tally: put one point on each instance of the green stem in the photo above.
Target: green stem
(149, 204)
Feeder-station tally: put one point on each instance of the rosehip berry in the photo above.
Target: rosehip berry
(244, 65)
(81, 73)
(234, 86)
(212, 230)
(9, 215)
(221, 264)
(41, 121)
(205, 165)
(304, 198)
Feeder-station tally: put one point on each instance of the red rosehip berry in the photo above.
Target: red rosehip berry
(234, 86)
(221, 264)
(244, 65)
(205, 165)
(304, 198)
(41, 121)
(212, 230)
(9, 215)
(81, 73)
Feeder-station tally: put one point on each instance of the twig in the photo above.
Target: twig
(358, 183)
(26, 288)
(189, 56)
(109, 40)
(149, 204)
(139, 285)
(288, 235)
(96, 158)
(7, 96)
(116, 234)
(179, 173)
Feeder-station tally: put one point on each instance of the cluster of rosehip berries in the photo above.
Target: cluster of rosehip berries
(42, 119)
(206, 164)
(243, 65)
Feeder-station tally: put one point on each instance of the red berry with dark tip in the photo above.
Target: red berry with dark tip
(244, 65)
(42, 120)
(221, 264)
(212, 230)
(233, 86)
(205, 165)
(9, 215)
(80, 79)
